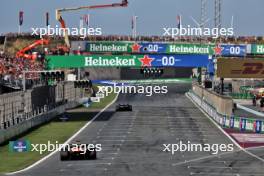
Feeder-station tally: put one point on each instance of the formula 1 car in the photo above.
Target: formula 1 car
(123, 107)
(77, 151)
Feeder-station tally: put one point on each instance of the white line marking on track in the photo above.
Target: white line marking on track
(108, 153)
(87, 164)
(122, 140)
(213, 167)
(214, 173)
(68, 141)
(110, 158)
(112, 130)
(198, 159)
(112, 140)
(110, 136)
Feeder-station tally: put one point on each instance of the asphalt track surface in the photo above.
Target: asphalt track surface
(132, 142)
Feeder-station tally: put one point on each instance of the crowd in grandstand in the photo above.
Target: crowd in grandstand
(11, 69)
(234, 39)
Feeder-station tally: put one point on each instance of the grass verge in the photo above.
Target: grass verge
(53, 131)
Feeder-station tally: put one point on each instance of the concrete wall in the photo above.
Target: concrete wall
(222, 104)
(32, 102)
(21, 111)
(26, 125)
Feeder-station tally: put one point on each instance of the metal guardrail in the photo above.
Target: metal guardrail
(232, 122)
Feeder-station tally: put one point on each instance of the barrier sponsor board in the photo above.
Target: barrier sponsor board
(262, 126)
(257, 49)
(151, 60)
(250, 124)
(240, 68)
(258, 126)
(234, 122)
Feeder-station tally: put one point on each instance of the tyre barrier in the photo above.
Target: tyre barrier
(232, 122)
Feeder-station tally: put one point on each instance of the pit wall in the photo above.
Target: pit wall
(237, 123)
(222, 104)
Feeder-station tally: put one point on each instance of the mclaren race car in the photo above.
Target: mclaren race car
(78, 151)
(123, 107)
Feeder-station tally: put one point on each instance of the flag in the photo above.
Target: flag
(134, 18)
(86, 19)
(21, 14)
(81, 22)
(2, 40)
(178, 21)
(132, 22)
(47, 18)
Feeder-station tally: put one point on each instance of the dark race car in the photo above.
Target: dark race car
(77, 151)
(123, 107)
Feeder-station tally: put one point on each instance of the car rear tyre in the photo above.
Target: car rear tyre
(64, 155)
(92, 155)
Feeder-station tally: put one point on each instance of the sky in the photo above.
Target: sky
(153, 15)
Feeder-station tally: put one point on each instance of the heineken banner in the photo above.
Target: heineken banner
(109, 47)
(151, 60)
(257, 49)
(233, 50)
(190, 49)
(160, 48)
(153, 48)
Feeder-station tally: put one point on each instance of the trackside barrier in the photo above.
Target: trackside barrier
(222, 104)
(24, 126)
(233, 122)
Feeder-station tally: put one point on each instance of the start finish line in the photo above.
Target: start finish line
(136, 61)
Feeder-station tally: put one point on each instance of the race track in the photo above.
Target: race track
(132, 142)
